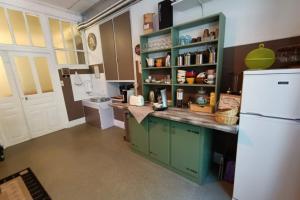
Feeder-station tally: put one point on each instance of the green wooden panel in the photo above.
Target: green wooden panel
(138, 134)
(206, 157)
(159, 139)
(185, 148)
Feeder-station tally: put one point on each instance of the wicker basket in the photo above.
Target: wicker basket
(225, 119)
(228, 112)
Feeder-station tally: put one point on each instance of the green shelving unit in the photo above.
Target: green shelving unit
(218, 21)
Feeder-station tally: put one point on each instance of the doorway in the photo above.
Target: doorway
(32, 90)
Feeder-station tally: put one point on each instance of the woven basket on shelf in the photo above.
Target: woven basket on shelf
(228, 112)
(226, 119)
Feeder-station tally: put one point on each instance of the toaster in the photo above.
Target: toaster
(136, 100)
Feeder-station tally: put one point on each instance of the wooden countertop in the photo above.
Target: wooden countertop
(189, 117)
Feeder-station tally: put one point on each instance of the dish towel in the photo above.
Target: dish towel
(140, 112)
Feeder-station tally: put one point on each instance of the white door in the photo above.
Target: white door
(267, 165)
(13, 127)
(37, 92)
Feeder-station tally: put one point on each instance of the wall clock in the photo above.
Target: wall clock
(92, 42)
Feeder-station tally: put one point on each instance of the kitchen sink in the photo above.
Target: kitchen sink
(100, 99)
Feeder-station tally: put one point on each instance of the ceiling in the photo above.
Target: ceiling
(78, 6)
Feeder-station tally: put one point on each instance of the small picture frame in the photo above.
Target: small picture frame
(92, 41)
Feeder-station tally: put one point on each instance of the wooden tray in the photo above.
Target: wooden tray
(204, 109)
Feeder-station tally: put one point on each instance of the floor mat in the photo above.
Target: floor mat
(22, 186)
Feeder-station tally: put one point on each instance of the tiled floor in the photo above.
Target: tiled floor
(85, 163)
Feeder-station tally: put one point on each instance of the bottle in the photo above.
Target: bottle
(1, 153)
(187, 59)
(179, 98)
(180, 60)
(212, 100)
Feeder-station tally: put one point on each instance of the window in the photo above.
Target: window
(25, 75)
(5, 37)
(5, 90)
(67, 42)
(25, 28)
(41, 65)
(18, 25)
(36, 32)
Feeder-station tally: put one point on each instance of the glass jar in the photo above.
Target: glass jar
(201, 97)
(179, 98)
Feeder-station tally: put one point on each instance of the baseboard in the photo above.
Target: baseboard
(76, 122)
(119, 124)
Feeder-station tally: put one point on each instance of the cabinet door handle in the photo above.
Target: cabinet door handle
(191, 131)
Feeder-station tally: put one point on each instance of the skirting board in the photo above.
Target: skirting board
(119, 124)
(76, 122)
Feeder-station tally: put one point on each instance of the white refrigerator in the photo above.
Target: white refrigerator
(268, 152)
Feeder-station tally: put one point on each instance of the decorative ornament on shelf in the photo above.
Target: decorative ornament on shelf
(260, 58)
(92, 42)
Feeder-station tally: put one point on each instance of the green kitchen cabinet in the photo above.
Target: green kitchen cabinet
(181, 147)
(159, 139)
(190, 149)
(138, 134)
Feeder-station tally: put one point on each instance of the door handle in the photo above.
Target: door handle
(26, 98)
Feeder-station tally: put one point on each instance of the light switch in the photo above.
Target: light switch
(62, 84)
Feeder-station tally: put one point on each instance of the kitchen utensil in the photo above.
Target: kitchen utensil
(205, 35)
(188, 39)
(260, 58)
(199, 80)
(150, 62)
(211, 76)
(137, 100)
(209, 81)
(190, 80)
(202, 75)
(167, 60)
(179, 98)
(190, 74)
(199, 58)
(187, 59)
(194, 40)
(159, 62)
(212, 55)
(206, 56)
(212, 35)
(211, 72)
(180, 60)
(151, 96)
(201, 97)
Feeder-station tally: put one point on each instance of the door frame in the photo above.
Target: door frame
(56, 83)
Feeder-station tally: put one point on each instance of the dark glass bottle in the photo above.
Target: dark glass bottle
(1, 153)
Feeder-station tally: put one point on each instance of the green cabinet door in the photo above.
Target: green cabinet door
(185, 148)
(159, 139)
(138, 134)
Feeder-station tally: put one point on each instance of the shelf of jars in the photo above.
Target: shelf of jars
(188, 56)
